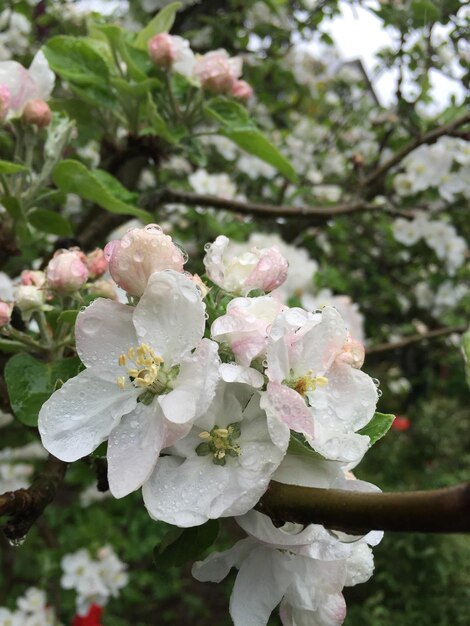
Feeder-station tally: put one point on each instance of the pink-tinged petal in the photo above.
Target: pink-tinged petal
(81, 414)
(170, 316)
(218, 564)
(133, 448)
(194, 388)
(290, 408)
(318, 348)
(262, 580)
(103, 331)
(20, 83)
(231, 373)
(270, 272)
(140, 253)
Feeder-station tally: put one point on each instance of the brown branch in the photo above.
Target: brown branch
(427, 138)
(406, 341)
(437, 511)
(249, 208)
(26, 505)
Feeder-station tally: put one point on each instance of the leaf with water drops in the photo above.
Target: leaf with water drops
(378, 426)
(31, 382)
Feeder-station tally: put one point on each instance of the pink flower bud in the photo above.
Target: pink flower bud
(162, 50)
(203, 288)
(217, 71)
(104, 288)
(36, 278)
(96, 263)
(353, 353)
(241, 89)
(140, 253)
(239, 269)
(5, 313)
(5, 99)
(38, 113)
(66, 272)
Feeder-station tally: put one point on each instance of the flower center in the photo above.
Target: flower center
(146, 370)
(219, 442)
(306, 383)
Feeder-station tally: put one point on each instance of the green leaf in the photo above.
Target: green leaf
(135, 89)
(13, 207)
(423, 12)
(159, 127)
(31, 382)
(6, 167)
(76, 60)
(255, 143)
(180, 546)
(50, 222)
(241, 129)
(97, 186)
(378, 426)
(161, 23)
(299, 447)
(230, 113)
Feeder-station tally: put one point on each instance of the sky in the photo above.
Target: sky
(359, 34)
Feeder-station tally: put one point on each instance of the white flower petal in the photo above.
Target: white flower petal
(218, 564)
(170, 316)
(261, 582)
(318, 347)
(194, 388)
(42, 75)
(81, 414)
(133, 448)
(103, 331)
(232, 373)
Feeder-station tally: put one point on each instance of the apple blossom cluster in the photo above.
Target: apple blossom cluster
(215, 71)
(95, 579)
(67, 273)
(441, 236)
(444, 165)
(200, 388)
(24, 92)
(31, 610)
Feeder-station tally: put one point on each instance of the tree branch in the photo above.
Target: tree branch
(437, 511)
(249, 208)
(406, 341)
(26, 505)
(427, 138)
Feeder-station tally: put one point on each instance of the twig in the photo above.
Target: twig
(406, 341)
(26, 505)
(249, 208)
(427, 138)
(437, 511)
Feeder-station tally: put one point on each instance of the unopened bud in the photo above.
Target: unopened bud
(103, 288)
(38, 113)
(96, 263)
(138, 254)
(242, 90)
(162, 51)
(5, 313)
(29, 299)
(5, 99)
(217, 71)
(33, 277)
(66, 272)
